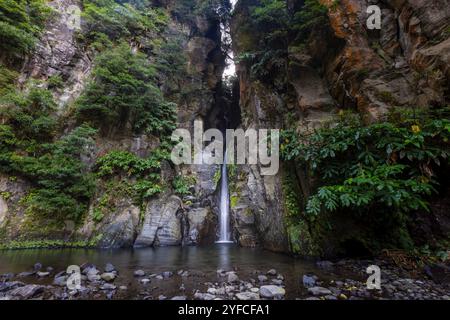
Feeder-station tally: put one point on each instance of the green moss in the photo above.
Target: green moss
(234, 201)
(291, 196)
(6, 195)
(182, 185)
(295, 234)
(217, 176)
(55, 82)
(48, 244)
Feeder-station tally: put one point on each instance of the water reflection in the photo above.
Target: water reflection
(201, 262)
(201, 258)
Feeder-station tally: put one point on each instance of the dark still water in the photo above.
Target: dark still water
(202, 264)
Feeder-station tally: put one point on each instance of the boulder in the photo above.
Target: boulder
(247, 296)
(6, 286)
(309, 281)
(139, 273)
(232, 277)
(262, 278)
(161, 224)
(60, 281)
(109, 268)
(27, 292)
(108, 276)
(319, 291)
(272, 291)
(272, 272)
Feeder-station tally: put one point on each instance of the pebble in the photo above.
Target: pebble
(139, 273)
(25, 274)
(232, 277)
(262, 278)
(109, 267)
(109, 276)
(309, 281)
(37, 266)
(108, 286)
(272, 272)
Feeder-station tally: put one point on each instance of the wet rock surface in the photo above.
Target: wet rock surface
(346, 281)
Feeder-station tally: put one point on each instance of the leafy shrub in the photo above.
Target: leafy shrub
(121, 20)
(144, 173)
(122, 92)
(279, 29)
(61, 186)
(182, 185)
(373, 168)
(123, 162)
(21, 22)
(55, 82)
(30, 114)
(7, 78)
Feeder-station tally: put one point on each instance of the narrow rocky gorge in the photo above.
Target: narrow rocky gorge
(338, 67)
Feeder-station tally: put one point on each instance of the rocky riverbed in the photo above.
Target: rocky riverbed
(341, 280)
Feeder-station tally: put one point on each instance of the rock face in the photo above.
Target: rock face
(272, 292)
(166, 219)
(27, 292)
(59, 54)
(3, 210)
(342, 66)
(161, 225)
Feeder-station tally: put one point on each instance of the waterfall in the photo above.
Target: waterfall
(224, 223)
(230, 70)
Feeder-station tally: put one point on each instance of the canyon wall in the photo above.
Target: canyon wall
(165, 219)
(342, 65)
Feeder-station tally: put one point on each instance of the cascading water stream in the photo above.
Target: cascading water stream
(224, 223)
(230, 70)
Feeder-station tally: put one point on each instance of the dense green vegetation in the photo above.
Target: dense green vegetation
(30, 148)
(123, 92)
(119, 20)
(187, 11)
(383, 170)
(21, 22)
(281, 30)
